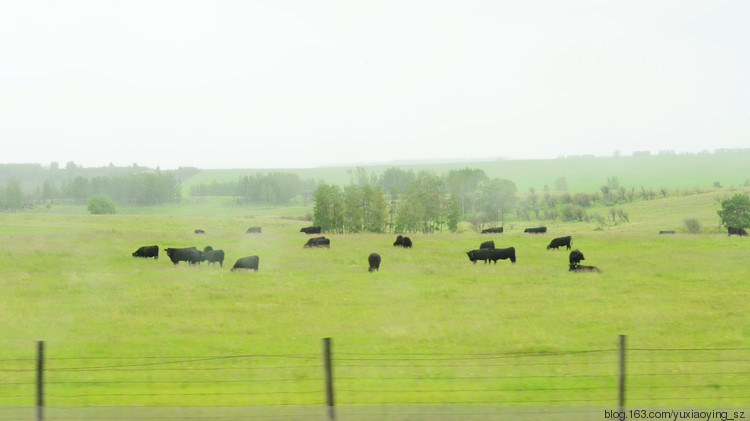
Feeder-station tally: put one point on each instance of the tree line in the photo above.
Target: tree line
(395, 200)
(273, 189)
(142, 189)
(404, 201)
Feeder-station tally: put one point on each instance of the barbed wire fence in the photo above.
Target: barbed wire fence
(43, 386)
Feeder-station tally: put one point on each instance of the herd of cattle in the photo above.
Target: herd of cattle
(194, 256)
(486, 251)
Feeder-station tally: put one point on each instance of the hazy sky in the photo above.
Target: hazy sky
(260, 84)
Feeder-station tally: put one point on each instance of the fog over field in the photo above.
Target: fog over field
(306, 84)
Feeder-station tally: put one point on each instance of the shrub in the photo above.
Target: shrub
(100, 205)
(692, 225)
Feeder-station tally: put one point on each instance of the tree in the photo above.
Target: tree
(100, 205)
(354, 208)
(395, 180)
(735, 211)
(497, 197)
(375, 217)
(328, 208)
(13, 196)
(454, 214)
(463, 186)
(561, 184)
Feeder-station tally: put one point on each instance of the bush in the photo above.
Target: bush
(693, 226)
(735, 211)
(100, 205)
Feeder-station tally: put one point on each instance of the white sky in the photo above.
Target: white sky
(292, 84)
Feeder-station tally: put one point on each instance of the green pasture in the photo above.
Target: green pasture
(429, 327)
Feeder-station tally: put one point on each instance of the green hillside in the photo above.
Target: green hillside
(581, 173)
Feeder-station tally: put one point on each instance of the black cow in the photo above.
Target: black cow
(492, 254)
(479, 254)
(318, 242)
(538, 230)
(506, 253)
(583, 268)
(253, 230)
(487, 245)
(559, 242)
(310, 230)
(399, 241)
(147, 251)
(736, 231)
(207, 249)
(575, 257)
(374, 260)
(200, 232)
(498, 230)
(188, 254)
(666, 232)
(249, 262)
(407, 242)
(213, 256)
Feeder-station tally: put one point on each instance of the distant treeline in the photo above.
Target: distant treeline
(405, 201)
(25, 184)
(395, 200)
(274, 189)
(422, 202)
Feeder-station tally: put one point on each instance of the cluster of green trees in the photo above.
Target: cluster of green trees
(404, 201)
(143, 189)
(22, 185)
(11, 196)
(350, 209)
(260, 189)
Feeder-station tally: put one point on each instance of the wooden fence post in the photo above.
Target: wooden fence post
(328, 367)
(621, 397)
(40, 380)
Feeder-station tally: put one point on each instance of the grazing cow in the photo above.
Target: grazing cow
(200, 232)
(318, 242)
(583, 268)
(736, 231)
(559, 242)
(213, 256)
(575, 257)
(310, 230)
(407, 242)
(506, 253)
(479, 254)
(666, 232)
(147, 251)
(207, 249)
(249, 262)
(487, 245)
(399, 241)
(253, 230)
(188, 254)
(494, 230)
(492, 254)
(538, 230)
(374, 260)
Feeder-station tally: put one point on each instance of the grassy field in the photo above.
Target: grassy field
(428, 328)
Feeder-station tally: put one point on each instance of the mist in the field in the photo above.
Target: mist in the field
(276, 85)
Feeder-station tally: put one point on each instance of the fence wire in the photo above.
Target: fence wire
(654, 377)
